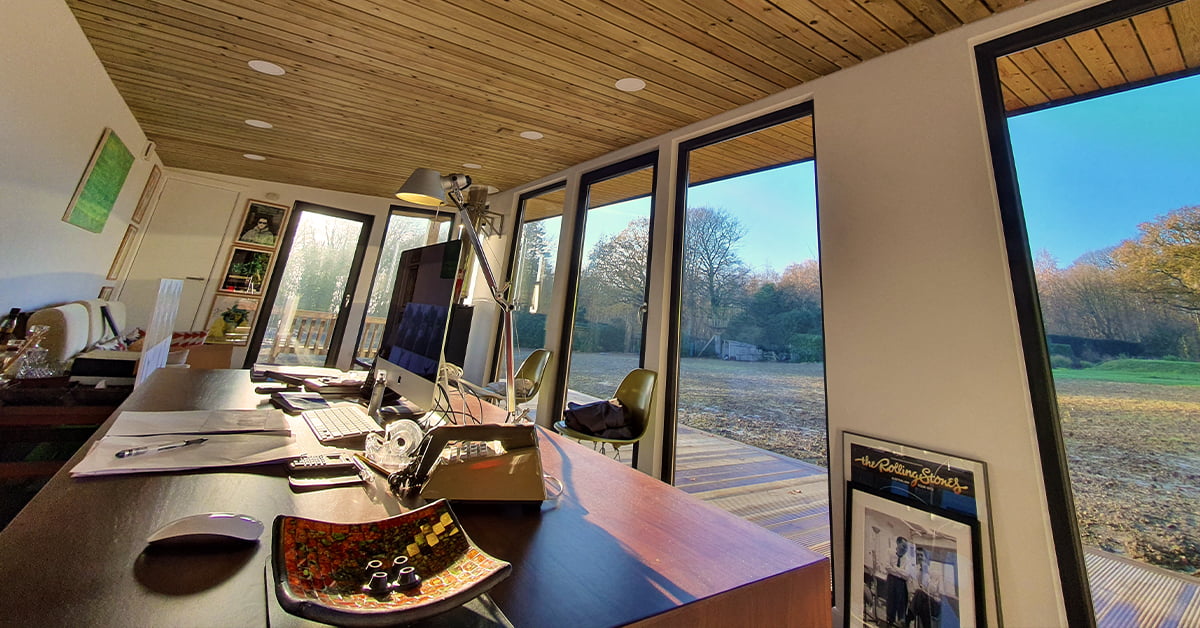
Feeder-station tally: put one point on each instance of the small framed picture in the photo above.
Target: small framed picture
(909, 566)
(231, 319)
(122, 252)
(105, 293)
(261, 224)
(936, 481)
(246, 272)
(147, 193)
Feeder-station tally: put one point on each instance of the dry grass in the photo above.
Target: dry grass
(1133, 449)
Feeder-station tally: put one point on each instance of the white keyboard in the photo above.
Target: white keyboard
(339, 422)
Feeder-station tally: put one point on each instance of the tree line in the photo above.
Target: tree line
(1145, 290)
(723, 298)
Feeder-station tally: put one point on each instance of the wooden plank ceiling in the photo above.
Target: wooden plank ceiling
(376, 88)
(1160, 43)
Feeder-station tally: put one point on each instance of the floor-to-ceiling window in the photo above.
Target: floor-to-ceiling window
(406, 228)
(749, 388)
(532, 268)
(1094, 132)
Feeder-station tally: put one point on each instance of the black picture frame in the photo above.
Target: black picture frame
(940, 564)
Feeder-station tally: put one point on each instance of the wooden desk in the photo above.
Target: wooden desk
(618, 548)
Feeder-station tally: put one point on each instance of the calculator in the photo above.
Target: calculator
(322, 462)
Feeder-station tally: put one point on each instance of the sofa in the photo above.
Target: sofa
(80, 327)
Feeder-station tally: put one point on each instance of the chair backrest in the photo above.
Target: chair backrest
(636, 393)
(532, 369)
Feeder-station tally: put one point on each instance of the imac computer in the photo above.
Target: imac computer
(411, 350)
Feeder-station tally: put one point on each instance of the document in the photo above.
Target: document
(217, 450)
(200, 422)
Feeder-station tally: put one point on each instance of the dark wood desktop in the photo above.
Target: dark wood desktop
(617, 548)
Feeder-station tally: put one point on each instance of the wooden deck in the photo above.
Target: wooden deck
(792, 498)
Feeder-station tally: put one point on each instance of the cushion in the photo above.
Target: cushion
(522, 386)
(69, 328)
(606, 419)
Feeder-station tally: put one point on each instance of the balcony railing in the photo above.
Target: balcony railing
(309, 333)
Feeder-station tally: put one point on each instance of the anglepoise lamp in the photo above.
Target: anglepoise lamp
(428, 187)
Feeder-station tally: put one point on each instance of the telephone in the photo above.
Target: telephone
(480, 463)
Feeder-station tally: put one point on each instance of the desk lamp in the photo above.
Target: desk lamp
(428, 187)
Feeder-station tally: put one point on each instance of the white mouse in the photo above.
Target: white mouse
(209, 527)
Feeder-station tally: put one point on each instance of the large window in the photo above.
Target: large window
(533, 267)
(749, 403)
(406, 229)
(1102, 218)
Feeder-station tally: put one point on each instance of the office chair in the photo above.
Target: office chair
(636, 394)
(528, 379)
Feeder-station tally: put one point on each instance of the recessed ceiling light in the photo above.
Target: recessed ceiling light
(472, 166)
(630, 84)
(253, 157)
(260, 124)
(266, 67)
(532, 135)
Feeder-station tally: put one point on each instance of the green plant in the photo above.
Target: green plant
(235, 315)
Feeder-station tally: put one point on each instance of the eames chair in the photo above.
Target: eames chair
(636, 395)
(528, 379)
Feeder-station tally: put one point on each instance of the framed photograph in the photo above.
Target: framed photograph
(105, 293)
(100, 184)
(909, 566)
(262, 224)
(231, 319)
(246, 272)
(122, 252)
(941, 483)
(147, 193)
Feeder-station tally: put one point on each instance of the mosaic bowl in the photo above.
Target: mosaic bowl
(321, 568)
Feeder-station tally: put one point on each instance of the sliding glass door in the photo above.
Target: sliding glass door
(311, 289)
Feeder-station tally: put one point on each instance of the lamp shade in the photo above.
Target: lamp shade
(423, 187)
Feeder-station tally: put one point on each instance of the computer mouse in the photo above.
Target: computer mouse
(209, 527)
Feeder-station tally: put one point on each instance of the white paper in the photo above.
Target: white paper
(200, 422)
(220, 450)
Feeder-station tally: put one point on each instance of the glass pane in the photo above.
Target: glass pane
(403, 232)
(751, 365)
(533, 270)
(300, 324)
(607, 340)
(1113, 216)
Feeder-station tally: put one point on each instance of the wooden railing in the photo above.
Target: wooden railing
(310, 333)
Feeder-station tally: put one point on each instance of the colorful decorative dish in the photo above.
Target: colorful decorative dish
(324, 571)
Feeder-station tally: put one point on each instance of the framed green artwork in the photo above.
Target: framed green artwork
(100, 184)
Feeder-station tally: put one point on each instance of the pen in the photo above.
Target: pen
(136, 451)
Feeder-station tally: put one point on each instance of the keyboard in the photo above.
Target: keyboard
(340, 422)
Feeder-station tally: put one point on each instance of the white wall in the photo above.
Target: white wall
(921, 334)
(55, 101)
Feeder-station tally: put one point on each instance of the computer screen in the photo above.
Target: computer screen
(410, 352)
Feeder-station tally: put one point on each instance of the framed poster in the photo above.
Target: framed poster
(941, 483)
(231, 319)
(261, 224)
(122, 252)
(246, 272)
(147, 193)
(101, 183)
(907, 565)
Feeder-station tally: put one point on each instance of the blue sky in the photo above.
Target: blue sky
(1089, 173)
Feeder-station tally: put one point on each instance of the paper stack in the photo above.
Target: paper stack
(230, 438)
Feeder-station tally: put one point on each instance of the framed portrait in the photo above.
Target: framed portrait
(909, 566)
(948, 485)
(105, 293)
(147, 193)
(122, 252)
(261, 224)
(246, 272)
(100, 184)
(231, 319)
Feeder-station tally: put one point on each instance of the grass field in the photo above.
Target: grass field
(1132, 431)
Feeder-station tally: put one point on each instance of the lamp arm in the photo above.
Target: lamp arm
(454, 193)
